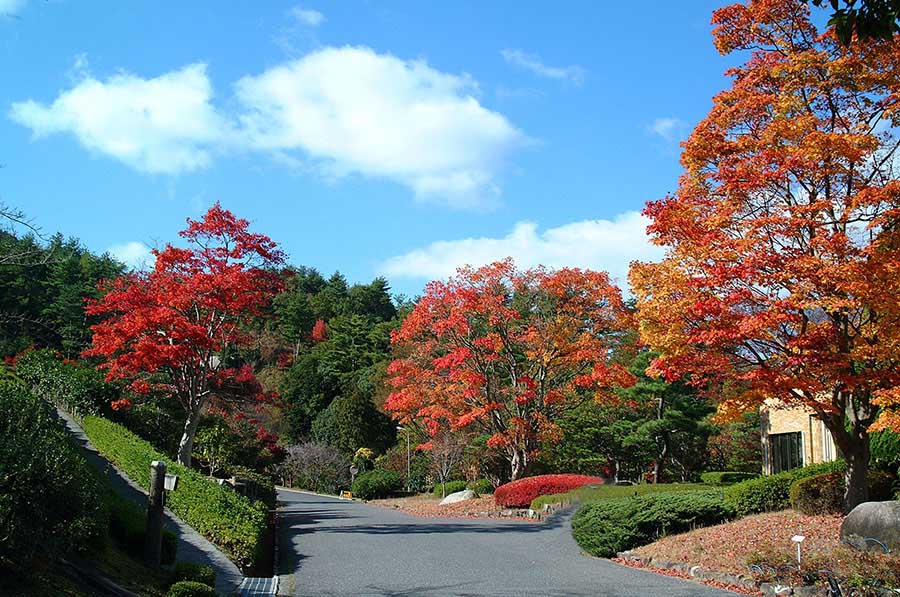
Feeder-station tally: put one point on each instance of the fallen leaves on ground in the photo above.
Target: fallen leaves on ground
(430, 506)
(726, 547)
(676, 574)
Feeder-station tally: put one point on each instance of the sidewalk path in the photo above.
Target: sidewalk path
(192, 547)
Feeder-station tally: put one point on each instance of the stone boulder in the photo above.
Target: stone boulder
(459, 496)
(877, 520)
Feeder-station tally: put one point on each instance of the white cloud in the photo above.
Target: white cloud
(356, 111)
(161, 125)
(134, 254)
(532, 62)
(308, 17)
(608, 245)
(337, 111)
(670, 129)
(11, 7)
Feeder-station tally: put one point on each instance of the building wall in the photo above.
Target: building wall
(817, 443)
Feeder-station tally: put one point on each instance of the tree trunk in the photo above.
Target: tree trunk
(518, 464)
(856, 477)
(186, 445)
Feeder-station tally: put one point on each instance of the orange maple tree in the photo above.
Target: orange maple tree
(780, 277)
(178, 321)
(506, 352)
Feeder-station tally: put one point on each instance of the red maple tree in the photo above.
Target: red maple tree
(506, 352)
(780, 278)
(179, 320)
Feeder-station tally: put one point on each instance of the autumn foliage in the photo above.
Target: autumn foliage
(520, 493)
(172, 326)
(780, 278)
(504, 353)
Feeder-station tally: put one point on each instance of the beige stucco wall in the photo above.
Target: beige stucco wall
(818, 445)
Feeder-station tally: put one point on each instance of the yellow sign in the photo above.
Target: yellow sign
(346, 495)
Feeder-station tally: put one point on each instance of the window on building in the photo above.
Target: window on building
(786, 450)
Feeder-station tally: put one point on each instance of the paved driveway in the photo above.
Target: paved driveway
(334, 547)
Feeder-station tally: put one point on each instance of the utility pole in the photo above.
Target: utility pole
(153, 536)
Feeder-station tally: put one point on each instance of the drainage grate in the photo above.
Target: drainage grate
(253, 587)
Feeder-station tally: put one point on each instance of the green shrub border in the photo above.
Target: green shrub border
(226, 518)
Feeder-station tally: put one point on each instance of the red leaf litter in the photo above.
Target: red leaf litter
(675, 574)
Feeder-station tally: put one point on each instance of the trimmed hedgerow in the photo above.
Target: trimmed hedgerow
(520, 493)
(225, 517)
(376, 484)
(482, 486)
(50, 496)
(726, 477)
(190, 588)
(825, 493)
(607, 527)
(448, 488)
(772, 492)
(191, 571)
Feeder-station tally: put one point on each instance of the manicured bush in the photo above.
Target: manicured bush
(825, 493)
(78, 390)
(441, 490)
(128, 525)
(772, 492)
(376, 484)
(231, 521)
(726, 477)
(189, 588)
(607, 527)
(482, 487)
(191, 571)
(821, 494)
(520, 493)
(50, 496)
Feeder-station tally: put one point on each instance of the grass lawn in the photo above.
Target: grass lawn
(593, 493)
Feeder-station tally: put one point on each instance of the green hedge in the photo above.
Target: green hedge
(79, 390)
(825, 493)
(190, 588)
(482, 487)
(376, 484)
(50, 496)
(190, 571)
(772, 492)
(226, 518)
(445, 489)
(607, 527)
(726, 477)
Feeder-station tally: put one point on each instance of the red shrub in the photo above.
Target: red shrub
(520, 493)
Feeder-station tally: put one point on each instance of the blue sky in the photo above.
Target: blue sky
(378, 138)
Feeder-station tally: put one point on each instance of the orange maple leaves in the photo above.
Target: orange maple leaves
(780, 278)
(508, 351)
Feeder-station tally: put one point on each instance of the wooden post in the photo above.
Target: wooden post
(153, 536)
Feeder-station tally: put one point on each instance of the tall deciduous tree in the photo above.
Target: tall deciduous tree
(180, 319)
(780, 275)
(506, 352)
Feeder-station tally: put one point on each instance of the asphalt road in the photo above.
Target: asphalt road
(334, 547)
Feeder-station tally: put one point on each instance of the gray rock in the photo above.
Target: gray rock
(459, 496)
(876, 520)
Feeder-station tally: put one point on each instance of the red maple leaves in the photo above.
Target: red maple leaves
(508, 351)
(179, 319)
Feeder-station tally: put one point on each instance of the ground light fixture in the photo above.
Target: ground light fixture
(798, 539)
